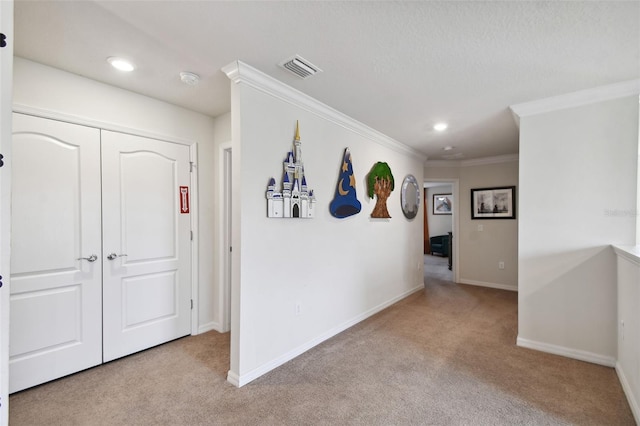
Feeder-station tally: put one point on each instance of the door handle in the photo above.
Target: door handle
(114, 256)
(91, 258)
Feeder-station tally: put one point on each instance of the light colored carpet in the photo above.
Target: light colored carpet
(436, 268)
(443, 356)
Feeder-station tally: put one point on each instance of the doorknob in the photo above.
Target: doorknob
(114, 256)
(91, 258)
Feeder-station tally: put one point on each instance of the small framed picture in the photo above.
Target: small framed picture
(493, 203)
(442, 203)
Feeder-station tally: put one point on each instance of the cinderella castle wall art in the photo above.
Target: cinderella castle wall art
(295, 199)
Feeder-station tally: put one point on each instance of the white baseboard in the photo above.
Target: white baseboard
(631, 398)
(490, 285)
(241, 380)
(233, 378)
(594, 358)
(213, 325)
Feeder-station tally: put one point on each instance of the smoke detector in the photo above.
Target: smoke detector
(189, 78)
(300, 67)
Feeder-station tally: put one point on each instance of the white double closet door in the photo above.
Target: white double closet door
(100, 248)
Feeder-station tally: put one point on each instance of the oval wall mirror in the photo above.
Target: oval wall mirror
(410, 197)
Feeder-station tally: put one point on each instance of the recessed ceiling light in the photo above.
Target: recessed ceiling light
(121, 64)
(448, 148)
(441, 127)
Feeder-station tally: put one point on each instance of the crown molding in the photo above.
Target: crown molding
(507, 158)
(239, 72)
(576, 99)
(442, 163)
(490, 160)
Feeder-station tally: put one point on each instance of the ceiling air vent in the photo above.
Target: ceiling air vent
(300, 67)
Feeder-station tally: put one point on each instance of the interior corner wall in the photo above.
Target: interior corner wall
(48, 89)
(577, 196)
(438, 224)
(298, 282)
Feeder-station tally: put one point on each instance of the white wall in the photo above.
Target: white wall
(339, 271)
(480, 251)
(577, 193)
(438, 224)
(44, 89)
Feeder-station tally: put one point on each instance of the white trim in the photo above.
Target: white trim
(213, 325)
(241, 380)
(98, 124)
(224, 257)
(239, 72)
(508, 287)
(630, 253)
(631, 398)
(195, 262)
(234, 379)
(594, 358)
(442, 163)
(576, 99)
(507, 158)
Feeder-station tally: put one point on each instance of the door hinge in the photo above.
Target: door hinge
(191, 164)
(230, 249)
(191, 235)
(191, 303)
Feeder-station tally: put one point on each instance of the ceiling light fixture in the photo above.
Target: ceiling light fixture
(121, 64)
(448, 148)
(440, 127)
(189, 78)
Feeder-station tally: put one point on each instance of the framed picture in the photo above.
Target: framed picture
(493, 203)
(442, 203)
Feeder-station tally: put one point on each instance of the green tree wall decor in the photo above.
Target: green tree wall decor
(380, 182)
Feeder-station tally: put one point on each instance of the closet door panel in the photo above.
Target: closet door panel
(147, 243)
(56, 316)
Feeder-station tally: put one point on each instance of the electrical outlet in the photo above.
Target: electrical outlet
(501, 265)
(480, 228)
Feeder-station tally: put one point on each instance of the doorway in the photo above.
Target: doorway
(441, 227)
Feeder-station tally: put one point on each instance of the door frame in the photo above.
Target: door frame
(6, 96)
(193, 156)
(225, 153)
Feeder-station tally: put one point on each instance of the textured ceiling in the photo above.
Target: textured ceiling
(396, 66)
